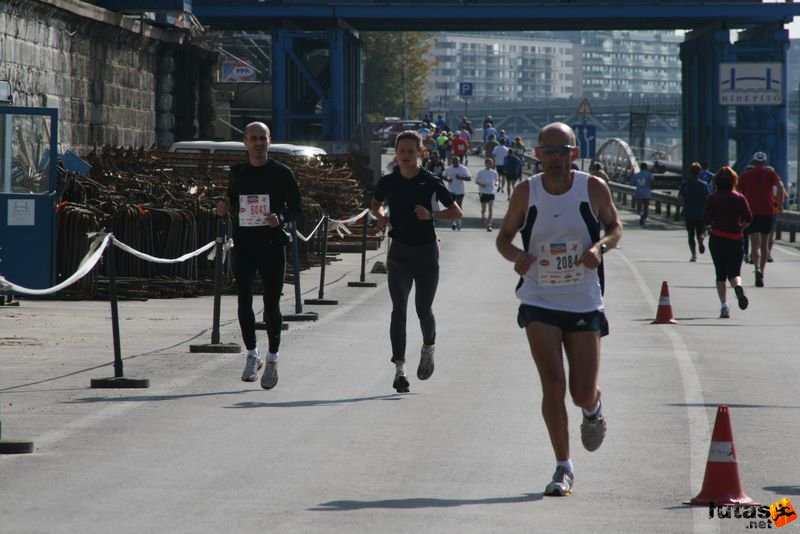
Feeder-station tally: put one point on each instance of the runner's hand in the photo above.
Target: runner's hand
(423, 213)
(523, 263)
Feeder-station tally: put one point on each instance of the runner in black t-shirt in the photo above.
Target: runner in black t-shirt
(413, 196)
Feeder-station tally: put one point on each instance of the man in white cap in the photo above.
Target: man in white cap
(759, 184)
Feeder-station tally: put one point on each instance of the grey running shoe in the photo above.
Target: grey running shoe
(561, 485)
(251, 368)
(741, 298)
(270, 377)
(759, 278)
(593, 430)
(425, 369)
(725, 312)
(400, 381)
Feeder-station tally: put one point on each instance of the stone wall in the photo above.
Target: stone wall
(112, 79)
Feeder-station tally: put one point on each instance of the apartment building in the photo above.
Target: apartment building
(509, 67)
(519, 66)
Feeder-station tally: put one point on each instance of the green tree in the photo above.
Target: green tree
(394, 61)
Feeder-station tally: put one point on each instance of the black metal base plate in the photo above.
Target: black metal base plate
(321, 302)
(362, 284)
(216, 348)
(304, 316)
(120, 383)
(15, 447)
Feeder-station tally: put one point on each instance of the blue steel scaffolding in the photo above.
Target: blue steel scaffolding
(317, 83)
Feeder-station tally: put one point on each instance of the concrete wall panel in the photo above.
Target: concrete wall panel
(109, 78)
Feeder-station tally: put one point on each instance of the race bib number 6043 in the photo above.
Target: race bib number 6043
(558, 263)
(253, 210)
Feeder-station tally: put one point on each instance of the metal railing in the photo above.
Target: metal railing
(666, 205)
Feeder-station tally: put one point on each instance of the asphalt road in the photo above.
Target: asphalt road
(334, 449)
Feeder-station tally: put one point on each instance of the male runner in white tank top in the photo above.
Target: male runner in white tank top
(560, 214)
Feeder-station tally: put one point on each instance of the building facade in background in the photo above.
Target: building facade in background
(520, 66)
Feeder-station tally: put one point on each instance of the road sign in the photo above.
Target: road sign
(584, 108)
(465, 89)
(586, 135)
(750, 84)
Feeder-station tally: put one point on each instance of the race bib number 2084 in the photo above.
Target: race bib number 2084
(558, 263)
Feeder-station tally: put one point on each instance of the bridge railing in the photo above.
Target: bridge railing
(666, 205)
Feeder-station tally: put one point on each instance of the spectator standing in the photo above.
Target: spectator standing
(643, 180)
(692, 196)
(727, 213)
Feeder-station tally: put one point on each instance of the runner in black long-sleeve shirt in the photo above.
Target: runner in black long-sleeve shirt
(262, 196)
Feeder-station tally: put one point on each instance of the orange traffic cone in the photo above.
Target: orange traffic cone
(664, 313)
(721, 483)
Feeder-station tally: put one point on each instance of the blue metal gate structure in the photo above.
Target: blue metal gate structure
(309, 98)
(707, 121)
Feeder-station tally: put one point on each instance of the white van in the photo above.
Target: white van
(237, 147)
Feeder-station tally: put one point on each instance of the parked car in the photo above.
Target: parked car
(390, 132)
(377, 132)
(237, 147)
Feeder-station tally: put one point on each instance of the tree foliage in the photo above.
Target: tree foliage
(392, 60)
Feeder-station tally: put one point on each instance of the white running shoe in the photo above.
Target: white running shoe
(561, 485)
(270, 377)
(251, 368)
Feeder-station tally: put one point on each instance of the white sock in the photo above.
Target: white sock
(253, 352)
(401, 370)
(272, 357)
(593, 412)
(566, 465)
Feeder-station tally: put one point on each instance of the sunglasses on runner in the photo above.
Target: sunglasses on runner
(552, 150)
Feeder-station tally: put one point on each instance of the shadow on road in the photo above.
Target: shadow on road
(317, 402)
(421, 502)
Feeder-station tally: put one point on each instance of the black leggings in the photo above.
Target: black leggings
(270, 261)
(694, 227)
(727, 255)
(412, 265)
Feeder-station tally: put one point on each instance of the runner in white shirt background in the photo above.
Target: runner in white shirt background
(455, 175)
(486, 179)
(500, 152)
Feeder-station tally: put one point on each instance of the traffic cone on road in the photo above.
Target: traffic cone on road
(721, 484)
(664, 313)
